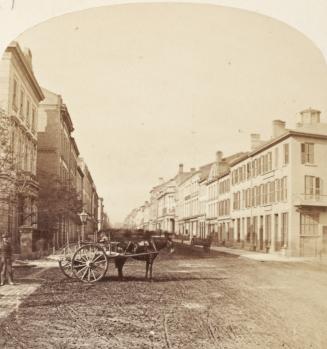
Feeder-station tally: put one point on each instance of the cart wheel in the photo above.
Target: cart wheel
(65, 263)
(90, 263)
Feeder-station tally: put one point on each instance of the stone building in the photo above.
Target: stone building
(218, 221)
(159, 213)
(191, 202)
(20, 95)
(278, 190)
(271, 199)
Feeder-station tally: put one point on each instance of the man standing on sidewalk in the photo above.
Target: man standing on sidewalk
(6, 260)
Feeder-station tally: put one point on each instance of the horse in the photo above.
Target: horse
(150, 248)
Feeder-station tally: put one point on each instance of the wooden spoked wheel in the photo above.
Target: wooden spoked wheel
(90, 263)
(65, 262)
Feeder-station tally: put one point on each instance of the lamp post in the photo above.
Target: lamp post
(83, 217)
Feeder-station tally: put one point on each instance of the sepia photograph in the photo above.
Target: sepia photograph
(163, 177)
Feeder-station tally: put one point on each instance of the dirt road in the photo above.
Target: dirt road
(196, 301)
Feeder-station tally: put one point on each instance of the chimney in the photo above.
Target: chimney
(255, 140)
(310, 116)
(278, 128)
(219, 156)
(28, 56)
(180, 169)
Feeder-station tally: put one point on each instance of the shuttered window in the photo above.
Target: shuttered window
(307, 153)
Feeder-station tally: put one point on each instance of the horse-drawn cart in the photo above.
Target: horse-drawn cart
(89, 261)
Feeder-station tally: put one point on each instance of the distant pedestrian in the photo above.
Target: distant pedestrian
(6, 260)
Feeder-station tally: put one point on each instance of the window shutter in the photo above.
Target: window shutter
(318, 186)
(302, 153)
(311, 153)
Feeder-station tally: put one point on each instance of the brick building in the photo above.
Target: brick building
(58, 172)
(90, 202)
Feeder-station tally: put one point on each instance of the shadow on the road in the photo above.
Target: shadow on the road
(159, 279)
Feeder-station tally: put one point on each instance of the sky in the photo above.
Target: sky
(149, 86)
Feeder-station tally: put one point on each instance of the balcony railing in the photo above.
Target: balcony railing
(310, 200)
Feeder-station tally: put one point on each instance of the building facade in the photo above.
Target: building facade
(20, 95)
(271, 199)
(279, 201)
(58, 172)
(90, 202)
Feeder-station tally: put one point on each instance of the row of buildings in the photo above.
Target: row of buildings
(272, 198)
(44, 183)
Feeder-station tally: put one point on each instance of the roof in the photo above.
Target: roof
(268, 144)
(14, 48)
(52, 98)
(187, 176)
(204, 171)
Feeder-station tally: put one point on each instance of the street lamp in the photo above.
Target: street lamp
(83, 217)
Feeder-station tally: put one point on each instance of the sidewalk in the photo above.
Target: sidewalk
(258, 256)
(11, 296)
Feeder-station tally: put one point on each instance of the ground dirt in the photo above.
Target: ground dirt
(196, 301)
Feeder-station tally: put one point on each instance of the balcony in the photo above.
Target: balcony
(314, 200)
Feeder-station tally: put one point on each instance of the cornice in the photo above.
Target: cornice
(15, 49)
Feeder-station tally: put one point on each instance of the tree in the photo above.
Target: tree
(7, 174)
(58, 201)
(14, 183)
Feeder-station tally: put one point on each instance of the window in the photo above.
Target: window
(258, 196)
(272, 192)
(277, 186)
(264, 160)
(28, 112)
(261, 194)
(307, 153)
(276, 158)
(286, 154)
(240, 175)
(253, 204)
(236, 203)
(283, 188)
(269, 157)
(268, 228)
(248, 229)
(276, 229)
(249, 197)
(312, 187)
(248, 170)
(265, 194)
(15, 94)
(26, 158)
(238, 227)
(309, 224)
(21, 104)
(259, 163)
(253, 168)
(284, 232)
